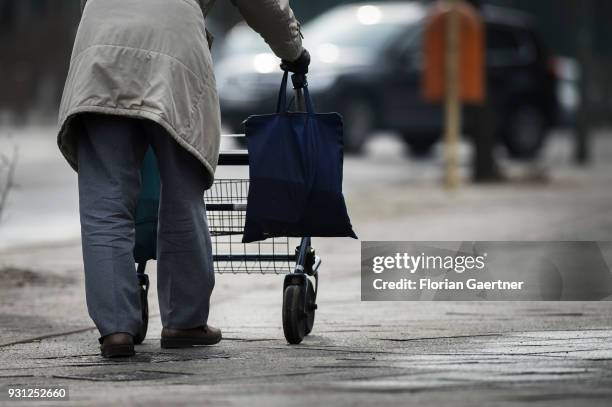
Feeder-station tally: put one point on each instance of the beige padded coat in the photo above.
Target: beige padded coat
(150, 59)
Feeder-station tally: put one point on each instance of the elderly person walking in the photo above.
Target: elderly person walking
(141, 74)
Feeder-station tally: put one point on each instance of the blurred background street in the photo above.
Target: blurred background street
(550, 104)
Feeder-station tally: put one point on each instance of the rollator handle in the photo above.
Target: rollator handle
(299, 82)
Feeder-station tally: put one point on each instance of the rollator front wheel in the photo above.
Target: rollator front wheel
(310, 307)
(294, 316)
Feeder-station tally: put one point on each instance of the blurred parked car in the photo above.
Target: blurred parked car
(367, 65)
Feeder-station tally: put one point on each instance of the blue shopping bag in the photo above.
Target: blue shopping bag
(295, 172)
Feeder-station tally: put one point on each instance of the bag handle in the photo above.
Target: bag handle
(299, 84)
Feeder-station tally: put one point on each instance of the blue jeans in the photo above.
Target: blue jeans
(110, 156)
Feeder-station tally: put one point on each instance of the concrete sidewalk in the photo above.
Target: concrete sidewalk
(398, 353)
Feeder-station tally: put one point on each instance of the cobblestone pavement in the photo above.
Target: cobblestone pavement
(388, 353)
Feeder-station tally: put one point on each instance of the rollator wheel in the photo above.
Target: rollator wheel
(144, 326)
(294, 316)
(310, 307)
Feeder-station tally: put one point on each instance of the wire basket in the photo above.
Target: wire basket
(226, 203)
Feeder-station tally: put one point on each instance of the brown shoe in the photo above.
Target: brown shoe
(186, 338)
(117, 345)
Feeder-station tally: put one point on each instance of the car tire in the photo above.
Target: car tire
(420, 145)
(524, 132)
(358, 117)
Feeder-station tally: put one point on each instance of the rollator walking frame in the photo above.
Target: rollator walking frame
(226, 204)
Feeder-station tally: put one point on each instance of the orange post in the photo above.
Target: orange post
(452, 123)
(454, 69)
(470, 37)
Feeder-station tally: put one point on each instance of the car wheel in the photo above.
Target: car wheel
(525, 132)
(420, 145)
(358, 117)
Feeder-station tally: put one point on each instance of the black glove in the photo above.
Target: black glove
(299, 66)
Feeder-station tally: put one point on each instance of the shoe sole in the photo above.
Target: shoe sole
(118, 351)
(170, 343)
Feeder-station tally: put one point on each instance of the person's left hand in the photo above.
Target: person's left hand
(299, 66)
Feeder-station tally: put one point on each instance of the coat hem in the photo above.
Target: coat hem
(137, 114)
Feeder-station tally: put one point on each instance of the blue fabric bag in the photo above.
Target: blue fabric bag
(295, 166)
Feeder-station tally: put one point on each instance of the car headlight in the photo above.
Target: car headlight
(265, 63)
